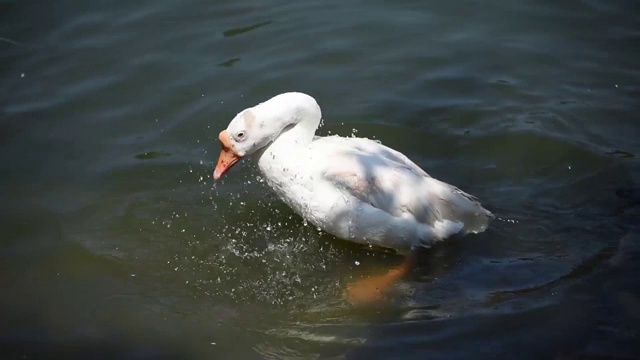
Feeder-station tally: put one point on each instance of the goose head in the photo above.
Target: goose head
(256, 127)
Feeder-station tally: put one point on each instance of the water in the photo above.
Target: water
(115, 242)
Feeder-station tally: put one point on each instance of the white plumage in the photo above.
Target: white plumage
(354, 188)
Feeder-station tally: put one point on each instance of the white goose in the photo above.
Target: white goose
(354, 188)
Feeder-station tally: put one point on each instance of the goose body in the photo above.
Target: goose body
(354, 188)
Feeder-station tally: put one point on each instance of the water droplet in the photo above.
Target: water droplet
(357, 263)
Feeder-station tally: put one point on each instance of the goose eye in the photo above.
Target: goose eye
(240, 135)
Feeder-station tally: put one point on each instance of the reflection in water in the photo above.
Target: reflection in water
(242, 30)
(229, 63)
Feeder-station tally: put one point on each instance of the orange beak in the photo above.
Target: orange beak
(228, 156)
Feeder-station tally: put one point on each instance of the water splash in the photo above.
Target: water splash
(253, 249)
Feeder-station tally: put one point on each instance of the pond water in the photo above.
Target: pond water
(115, 242)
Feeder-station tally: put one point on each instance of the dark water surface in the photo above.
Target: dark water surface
(114, 242)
